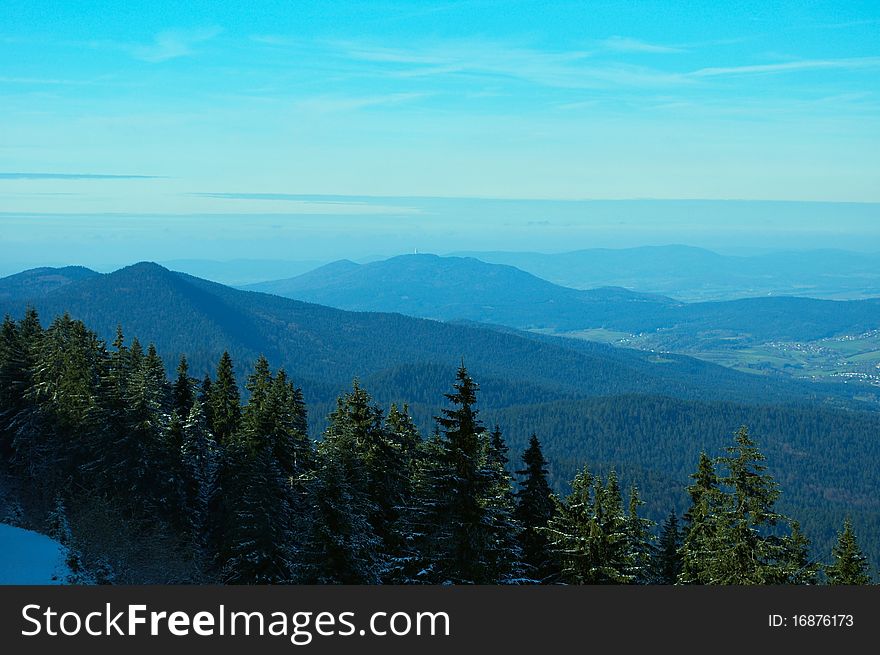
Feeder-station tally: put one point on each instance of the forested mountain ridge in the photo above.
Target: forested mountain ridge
(449, 288)
(37, 282)
(610, 406)
(144, 479)
(325, 348)
(445, 288)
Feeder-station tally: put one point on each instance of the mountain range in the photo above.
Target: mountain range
(328, 347)
(450, 288)
(648, 414)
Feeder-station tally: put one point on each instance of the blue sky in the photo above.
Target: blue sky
(126, 117)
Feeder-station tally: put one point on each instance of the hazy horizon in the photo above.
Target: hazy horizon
(361, 227)
(351, 130)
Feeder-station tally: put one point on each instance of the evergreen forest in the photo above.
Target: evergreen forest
(150, 478)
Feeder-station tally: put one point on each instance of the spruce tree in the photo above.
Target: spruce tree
(667, 560)
(387, 472)
(53, 430)
(616, 562)
(797, 566)
(590, 535)
(469, 497)
(342, 547)
(751, 557)
(350, 531)
(135, 354)
(183, 394)
(850, 566)
(257, 546)
(145, 469)
(289, 437)
(200, 460)
(108, 458)
(639, 539)
(18, 348)
(427, 523)
(701, 525)
(498, 450)
(402, 558)
(155, 370)
(732, 525)
(258, 482)
(504, 554)
(204, 396)
(225, 402)
(534, 509)
(182, 399)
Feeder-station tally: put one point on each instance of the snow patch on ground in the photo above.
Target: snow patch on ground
(28, 557)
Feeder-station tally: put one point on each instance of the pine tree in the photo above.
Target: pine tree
(402, 559)
(224, 402)
(427, 524)
(589, 534)
(199, 457)
(534, 509)
(850, 566)
(701, 525)
(356, 505)
(797, 567)
(52, 431)
(182, 399)
(667, 561)
(260, 540)
(342, 548)
(751, 556)
(504, 555)
(730, 531)
(466, 546)
(18, 347)
(639, 539)
(204, 396)
(145, 470)
(289, 435)
(257, 547)
(182, 395)
(154, 368)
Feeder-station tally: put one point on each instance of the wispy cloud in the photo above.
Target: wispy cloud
(561, 69)
(790, 66)
(579, 104)
(74, 176)
(171, 44)
(627, 44)
(276, 40)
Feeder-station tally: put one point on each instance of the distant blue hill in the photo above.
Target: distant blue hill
(692, 273)
(465, 288)
(37, 282)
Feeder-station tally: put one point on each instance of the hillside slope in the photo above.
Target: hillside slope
(325, 348)
(450, 288)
